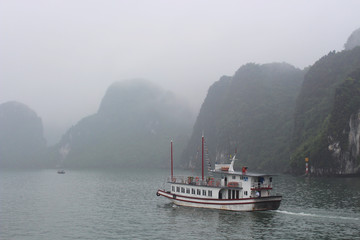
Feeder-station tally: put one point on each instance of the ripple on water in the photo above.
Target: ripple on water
(121, 204)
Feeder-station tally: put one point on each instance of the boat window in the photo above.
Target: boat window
(192, 191)
(271, 179)
(198, 192)
(178, 189)
(237, 194)
(204, 192)
(173, 188)
(210, 193)
(233, 177)
(241, 178)
(245, 193)
(187, 190)
(183, 190)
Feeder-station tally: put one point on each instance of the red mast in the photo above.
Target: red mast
(172, 173)
(202, 157)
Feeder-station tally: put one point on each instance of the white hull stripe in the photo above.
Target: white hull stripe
(219, 201)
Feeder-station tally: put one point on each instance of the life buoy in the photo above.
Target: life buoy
(197, 179)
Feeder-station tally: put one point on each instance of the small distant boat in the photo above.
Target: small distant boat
(62, 171)
(230, 190)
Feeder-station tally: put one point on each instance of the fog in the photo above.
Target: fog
(59, 56)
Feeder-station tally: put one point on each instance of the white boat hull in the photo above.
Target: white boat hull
(244, 204)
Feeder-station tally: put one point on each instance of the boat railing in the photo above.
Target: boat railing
(189, 180)
(261, 185)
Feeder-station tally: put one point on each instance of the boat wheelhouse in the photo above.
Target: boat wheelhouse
(226, 189)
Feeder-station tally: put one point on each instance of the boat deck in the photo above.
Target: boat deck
(195, 181)
(216, 182)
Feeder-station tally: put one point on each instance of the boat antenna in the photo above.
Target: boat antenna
(172, 171)
(231, 168)
(202, 156)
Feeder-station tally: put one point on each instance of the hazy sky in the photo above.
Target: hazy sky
(59, 56)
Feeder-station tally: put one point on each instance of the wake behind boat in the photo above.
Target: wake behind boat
(228, 190)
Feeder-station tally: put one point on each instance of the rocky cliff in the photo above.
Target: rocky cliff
(346, 158)
(353, 40)
(251, 112)
(344, 130)
(326, 118)
(22, 142)
(133, 127)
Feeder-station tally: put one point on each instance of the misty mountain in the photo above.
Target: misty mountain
(252, 112)
(22, 142)
(133, 127)
(353, 40)
(327, 116)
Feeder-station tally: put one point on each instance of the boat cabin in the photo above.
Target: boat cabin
(228, 184)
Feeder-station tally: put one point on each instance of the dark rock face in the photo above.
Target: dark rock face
(326, 116)
(347, 159)
(344, 129)
(22, 143)
(251, 112)
(354, 138)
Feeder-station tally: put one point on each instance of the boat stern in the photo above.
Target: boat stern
(271, 203)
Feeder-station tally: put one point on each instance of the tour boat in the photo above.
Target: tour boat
(227, 190)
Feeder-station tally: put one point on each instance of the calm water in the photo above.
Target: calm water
(121, 204)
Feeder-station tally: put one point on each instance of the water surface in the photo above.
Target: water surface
(122, 204)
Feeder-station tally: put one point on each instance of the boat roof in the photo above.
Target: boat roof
(247, 174)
